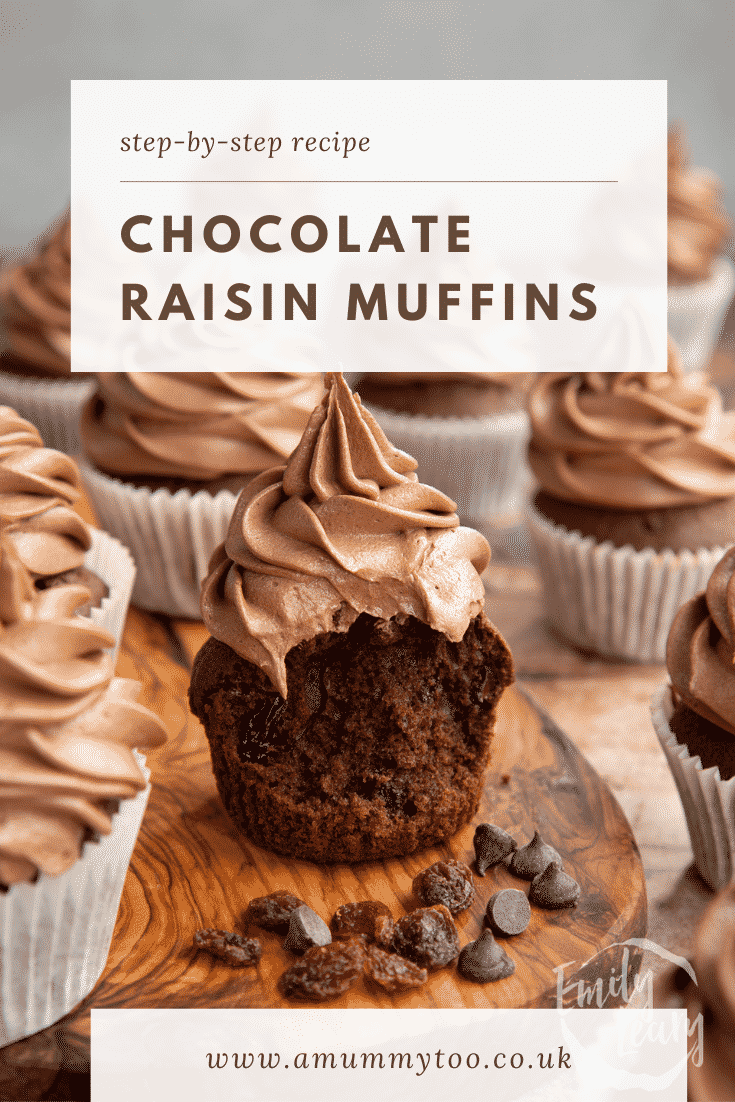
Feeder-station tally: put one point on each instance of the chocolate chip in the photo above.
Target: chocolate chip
(305, 931)
(508, 912)
(427, 936)
(492, 845)
(531, 859)
(232, 948)
(554, 889)
(484, 961)
(272, 912)
(447, 882)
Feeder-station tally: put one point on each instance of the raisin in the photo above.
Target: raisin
(306, 929)
(232, 948)
(272, 912)
(427, 936)
(392, 972)
(324, 972)
(384, 930)
(362, 918)
(447, 882)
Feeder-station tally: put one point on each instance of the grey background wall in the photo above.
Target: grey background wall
(48, 42)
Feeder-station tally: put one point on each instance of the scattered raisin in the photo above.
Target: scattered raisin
(427, 936)
(361, 918)
(447, 882)
(232, 948)
(392, 972)
(384, 931)
(306, 929)
(272, 912)
(324, 972)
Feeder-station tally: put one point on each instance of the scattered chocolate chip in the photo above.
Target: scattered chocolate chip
(447, 882)
(554, 889)
(392, 972)
(484, 961)
(305, 930)
(508, 913)
(427, 936)
(533, 858)
(324, 972)
(272, 912)
(232, 948)
(362, 918)
(492, 845)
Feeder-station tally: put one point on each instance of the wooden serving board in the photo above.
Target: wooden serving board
(191, 870)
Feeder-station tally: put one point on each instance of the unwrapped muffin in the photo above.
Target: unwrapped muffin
(700, 279)
(637, 501)
(695, 721)
(166, 454)
(72, 795)
(349, 690)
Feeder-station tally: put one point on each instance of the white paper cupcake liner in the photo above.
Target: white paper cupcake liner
(53, 407)
(170, 536)
(615, 600)
(114, 564)
(55, 935)
(708, 801)
(480, 462)
(696, 313)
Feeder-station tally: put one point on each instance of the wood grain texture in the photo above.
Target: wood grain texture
(189, 870)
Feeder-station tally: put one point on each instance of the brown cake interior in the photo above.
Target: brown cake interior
(379, 748)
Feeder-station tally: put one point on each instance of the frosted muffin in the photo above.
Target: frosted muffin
(700, 279)
(349, 690)
(166, 454)
(695, 721)
(636, 501)
(38, 488)
(35, 366)
(72, 795)
(467, 430)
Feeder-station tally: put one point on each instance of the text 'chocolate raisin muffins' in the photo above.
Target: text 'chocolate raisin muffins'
(349, 690)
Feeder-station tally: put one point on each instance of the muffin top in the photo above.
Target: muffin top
(67, 726)
(196, 425)
(38, 486)
(344, 528)
(445, 393)
(701, 648)
(631, 439)
(35, 300)
(698, 224)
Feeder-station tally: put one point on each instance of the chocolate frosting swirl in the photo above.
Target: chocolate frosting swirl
(38, 486)
(698, 224)
(36, 304)
(701, 648)
(344, 528)
(631, 440)
(196, 425)
(67, 727)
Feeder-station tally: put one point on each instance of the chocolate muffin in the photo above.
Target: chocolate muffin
(349, 691)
